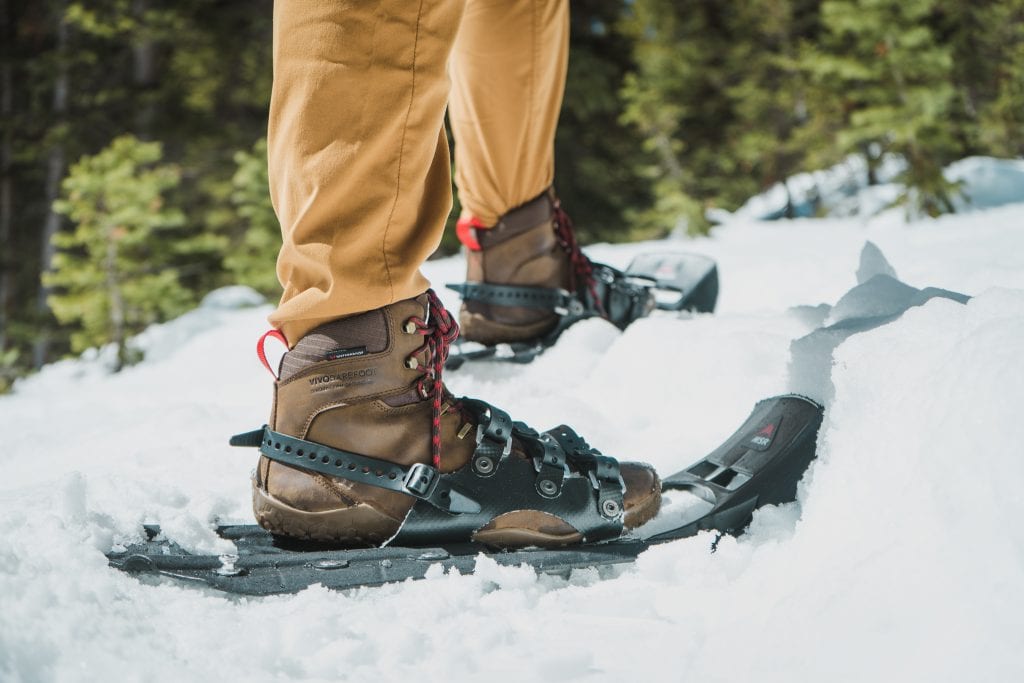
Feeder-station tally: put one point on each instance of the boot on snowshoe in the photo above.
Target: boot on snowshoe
(528, 280)
(366, 446)
(760, 464)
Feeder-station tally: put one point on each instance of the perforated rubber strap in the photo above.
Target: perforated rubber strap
(546, 298)
(419, 481)
(551, 467)
(493, 436)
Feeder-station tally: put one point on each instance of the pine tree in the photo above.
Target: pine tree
(111, 276)
(596, 154)
(987, 37)
(676, 99)
(251, 260)
(882, 61)
(777, 129)
(154, 68)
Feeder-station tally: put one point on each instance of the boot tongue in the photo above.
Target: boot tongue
(349, 337)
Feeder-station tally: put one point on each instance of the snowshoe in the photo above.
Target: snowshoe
(673, 282)
(760, 464)
(527, 281)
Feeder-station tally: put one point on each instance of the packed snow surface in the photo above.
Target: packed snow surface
(903, 559)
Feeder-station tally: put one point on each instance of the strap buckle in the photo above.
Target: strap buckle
(569, 304)
(420, 480)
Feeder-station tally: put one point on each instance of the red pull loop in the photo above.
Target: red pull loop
(261, 351)
(465, 230)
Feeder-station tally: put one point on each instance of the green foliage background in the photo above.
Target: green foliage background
(114, 273)
(672, 107)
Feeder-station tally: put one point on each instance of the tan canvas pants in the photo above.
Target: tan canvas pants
(359, 163)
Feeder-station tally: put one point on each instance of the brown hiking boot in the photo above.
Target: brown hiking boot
(365, 443)
(524, 248)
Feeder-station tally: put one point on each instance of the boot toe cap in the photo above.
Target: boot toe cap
(642, 495)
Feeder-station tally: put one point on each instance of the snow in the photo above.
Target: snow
(901, 560)
(842, 191)
(987, 182)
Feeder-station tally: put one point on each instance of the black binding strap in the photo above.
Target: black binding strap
(420, 481)
(613, 295)
(493, 437)
(546, 298)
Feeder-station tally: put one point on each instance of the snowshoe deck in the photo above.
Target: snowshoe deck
(681, 281)
(669, 282)
(760, 464)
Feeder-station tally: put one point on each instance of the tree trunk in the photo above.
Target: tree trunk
(55, 166)
(6, 177)
(116, 301)
(144, 73)
(872, 165)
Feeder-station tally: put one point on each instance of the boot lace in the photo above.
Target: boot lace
(439, 330)
(582, 270)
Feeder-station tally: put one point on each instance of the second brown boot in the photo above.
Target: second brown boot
(521, 249)
(527, 281)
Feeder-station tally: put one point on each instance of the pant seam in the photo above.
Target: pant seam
(534, 59)
(401, 155)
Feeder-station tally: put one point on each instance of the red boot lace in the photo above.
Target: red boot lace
(582, 272)
(439, 331)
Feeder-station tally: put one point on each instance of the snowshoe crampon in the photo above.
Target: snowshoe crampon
(674, 282)
(760, 464)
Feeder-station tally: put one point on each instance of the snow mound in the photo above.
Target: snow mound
(842, 191)
(872, 263)
(236, 296)
(987, 182)
(838, 191)
(879, 298)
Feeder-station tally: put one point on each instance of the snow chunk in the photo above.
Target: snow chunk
(872, 263)
(874, 302)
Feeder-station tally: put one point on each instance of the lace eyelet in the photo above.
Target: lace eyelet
(412, 363)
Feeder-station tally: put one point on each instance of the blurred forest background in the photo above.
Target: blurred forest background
(132, 151)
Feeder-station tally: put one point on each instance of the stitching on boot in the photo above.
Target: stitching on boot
(319, 411)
